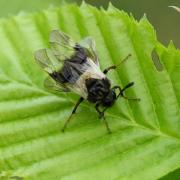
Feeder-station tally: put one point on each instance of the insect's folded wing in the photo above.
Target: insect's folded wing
(47, 60)
(89, 44)
(62, 45)
(55, 86)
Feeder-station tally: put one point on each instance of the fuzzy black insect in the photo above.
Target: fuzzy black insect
(75, 67)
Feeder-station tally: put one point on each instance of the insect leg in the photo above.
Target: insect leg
(101, 115)
(109, 68)
(115, 66)
(73, 112)
(121, 91)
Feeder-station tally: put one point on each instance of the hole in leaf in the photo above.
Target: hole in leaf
(156, 60)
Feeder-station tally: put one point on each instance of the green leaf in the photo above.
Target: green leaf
(145, 140)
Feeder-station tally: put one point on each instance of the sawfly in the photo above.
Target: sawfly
(75, 67)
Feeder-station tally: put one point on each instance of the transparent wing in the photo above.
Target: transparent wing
(50, 64)
(62, 48)
(62, 45)
(53, 85)
(47, 60)
(89, 44)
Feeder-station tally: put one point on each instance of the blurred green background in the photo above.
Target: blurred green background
(165, 20)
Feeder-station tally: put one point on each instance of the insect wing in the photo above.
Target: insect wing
(64, 61)
(62, 45)
(52, 85)
(47, 60)
(89, 44)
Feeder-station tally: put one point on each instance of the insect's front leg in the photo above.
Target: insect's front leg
(109, 68)
(121, 92)
(115, 66)
(101, 115)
